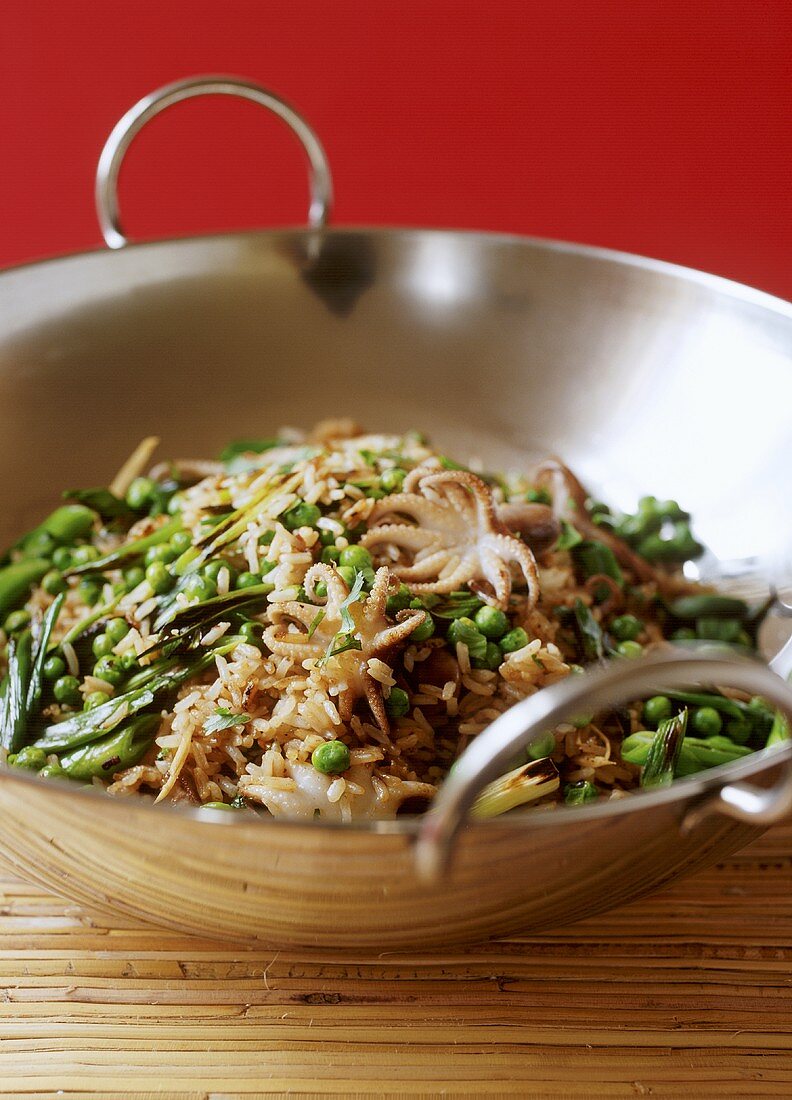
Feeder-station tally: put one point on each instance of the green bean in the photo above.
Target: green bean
(731, 707)
(13, 721)
(695, 755)
(101, 500)
(717, 629)
(69, 523)
(706, 605)
(36, 682)
(136, 548)
(88, 725)
(123, 748)
(201, 615)
(779, 731)
(17, 579)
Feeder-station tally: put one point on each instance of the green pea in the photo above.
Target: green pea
(542, 746)
(134, 576)
(630, 650)
(181, 541)
(391, 480)
(657, 710)
(330, 555)
(327, 538)
(30, 758)
(492, 622)
(212, 569)
(127, 661)
(102, 645)
(107, 669)
(492, 659)
(53, 582)
(116, 629)
(707, 721)
(67, 690)
(89, 591)
(684, 634)
(53, 668)
(199, 587)
(267, 567)
(514, 640)
(465, 631)
(739, 730)
(159, 578)
(424, 631)
(398, 703)
(175, 504)
(251, 632)
(17, 621)
(141, 493)
(164, 552)
(626, 628)
(347, 575)
(299, 515)
(356, 556)
(399, 601)
(331, 758)
(62, 557)
(84, 555)
(320, 588)
(247, 580)
(95, 699)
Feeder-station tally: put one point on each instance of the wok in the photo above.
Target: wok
(644, 376)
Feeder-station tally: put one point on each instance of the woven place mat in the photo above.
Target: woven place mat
(684, 994)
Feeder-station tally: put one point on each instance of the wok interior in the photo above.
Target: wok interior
(644, 378)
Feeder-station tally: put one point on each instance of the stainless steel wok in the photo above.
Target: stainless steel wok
(644, 376)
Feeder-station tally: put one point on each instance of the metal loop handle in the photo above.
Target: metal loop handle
(489, 754)
(127, 128)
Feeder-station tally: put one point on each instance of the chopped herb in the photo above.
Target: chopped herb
(315, 622)
(224, 719)
(569, 536)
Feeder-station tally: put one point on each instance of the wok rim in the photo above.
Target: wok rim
(681, 791)
(721, 283)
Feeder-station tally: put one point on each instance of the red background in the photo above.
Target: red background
(661, 128)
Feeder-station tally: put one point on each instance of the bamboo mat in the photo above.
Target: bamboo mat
(685, 994)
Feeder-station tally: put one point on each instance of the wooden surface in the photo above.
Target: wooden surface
(685, 994)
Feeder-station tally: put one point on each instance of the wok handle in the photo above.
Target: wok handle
(127, 128)
(488, 755)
